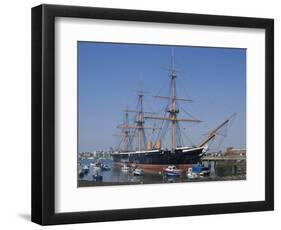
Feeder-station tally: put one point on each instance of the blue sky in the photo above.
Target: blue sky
(109, 76)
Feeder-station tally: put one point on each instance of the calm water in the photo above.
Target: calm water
(218, 171)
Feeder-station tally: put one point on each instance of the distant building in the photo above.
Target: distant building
(85, 154)
(230, 151)
(95, 154)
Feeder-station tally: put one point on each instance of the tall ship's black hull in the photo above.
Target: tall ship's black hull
(155, 160)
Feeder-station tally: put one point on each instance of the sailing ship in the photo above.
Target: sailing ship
(153, 157)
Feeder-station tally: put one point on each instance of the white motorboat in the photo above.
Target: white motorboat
(171, 170)
(138, 172)
(125, 168)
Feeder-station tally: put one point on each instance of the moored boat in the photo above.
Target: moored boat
(138, 172)
(171, 170)
(125, 168)
(80, 171)
(85, 169)
(94, 168)
(105, 167)
(198, 170)
(97, 177)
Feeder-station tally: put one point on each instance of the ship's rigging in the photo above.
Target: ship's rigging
(173, 109)
(135, 133)
(138, 128)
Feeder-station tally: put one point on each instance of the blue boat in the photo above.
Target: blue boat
(198, 170)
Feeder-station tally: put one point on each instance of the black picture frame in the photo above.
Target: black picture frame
(43, 114)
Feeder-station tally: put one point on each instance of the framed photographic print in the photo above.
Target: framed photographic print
(142, 114)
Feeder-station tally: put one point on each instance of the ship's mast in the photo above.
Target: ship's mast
(173, 111)
(126, 136)
(139, 123)
(127, 133)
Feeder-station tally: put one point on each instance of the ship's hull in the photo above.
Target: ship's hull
(156, 160)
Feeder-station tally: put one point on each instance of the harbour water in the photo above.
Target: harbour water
(219, 171)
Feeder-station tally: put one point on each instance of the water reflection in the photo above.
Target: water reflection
(218, 171)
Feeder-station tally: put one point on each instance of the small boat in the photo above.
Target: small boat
(97, 177)
(125, 168)
(171, 170)
(85, 169)
(191, 175)
(205, 173)
(138, 172)
(105, 167)
(198, 170)
(80, 173)
(94, 167)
